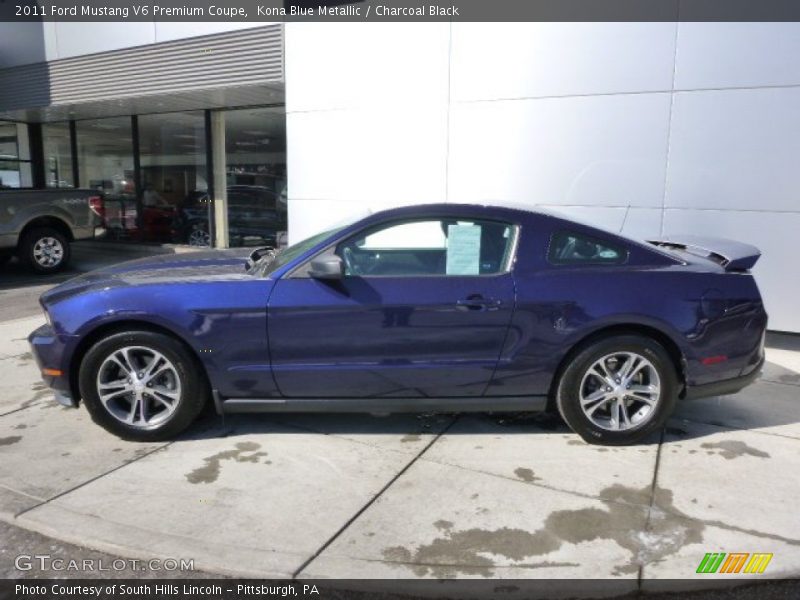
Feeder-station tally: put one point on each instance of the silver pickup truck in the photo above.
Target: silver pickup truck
(38, 225)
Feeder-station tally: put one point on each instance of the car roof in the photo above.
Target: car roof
(499, 208)
(464, 208)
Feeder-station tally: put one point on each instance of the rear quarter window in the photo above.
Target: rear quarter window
(573, 248)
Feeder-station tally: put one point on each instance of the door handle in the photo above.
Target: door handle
(477, 303)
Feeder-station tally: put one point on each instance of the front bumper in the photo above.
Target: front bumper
(48, 350)
(724, 387)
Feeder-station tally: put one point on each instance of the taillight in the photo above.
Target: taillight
(97, 206)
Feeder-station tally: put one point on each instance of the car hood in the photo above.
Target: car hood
(209, 265)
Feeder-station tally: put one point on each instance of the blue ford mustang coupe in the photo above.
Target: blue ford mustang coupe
(438, 307)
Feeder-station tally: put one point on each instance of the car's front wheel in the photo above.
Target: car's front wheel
(618, 390)
(142, 385)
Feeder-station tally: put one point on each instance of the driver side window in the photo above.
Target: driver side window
(429, 247)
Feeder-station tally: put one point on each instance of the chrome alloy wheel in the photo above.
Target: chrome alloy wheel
(620, 391)
(139, 386)
(48, 252)
(200, 238)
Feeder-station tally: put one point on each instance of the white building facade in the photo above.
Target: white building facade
(647, 128)
(644, 128)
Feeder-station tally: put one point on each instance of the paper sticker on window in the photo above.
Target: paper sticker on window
(463, 249)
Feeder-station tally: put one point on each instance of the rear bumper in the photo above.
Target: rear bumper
(724, 387)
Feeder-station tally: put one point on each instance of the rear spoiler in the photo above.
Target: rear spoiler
(733, 256)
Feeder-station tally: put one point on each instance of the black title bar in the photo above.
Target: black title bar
(256, 11)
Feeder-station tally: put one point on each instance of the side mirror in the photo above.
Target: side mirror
(328, 266)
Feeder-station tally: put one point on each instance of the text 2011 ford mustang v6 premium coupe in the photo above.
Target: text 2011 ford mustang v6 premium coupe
(438, 307)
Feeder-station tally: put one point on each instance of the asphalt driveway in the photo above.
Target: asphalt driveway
(428, 496)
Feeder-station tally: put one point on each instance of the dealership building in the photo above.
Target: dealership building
(643, 128)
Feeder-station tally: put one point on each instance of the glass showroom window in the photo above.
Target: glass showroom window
(255, 149)
(15, 156)
(57, 155)
(172, 151)
(105, 163)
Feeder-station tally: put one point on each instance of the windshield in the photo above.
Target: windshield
(289, 254)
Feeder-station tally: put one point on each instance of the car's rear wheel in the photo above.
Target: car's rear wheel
(618, 390)
(45, 250)
(142, 385)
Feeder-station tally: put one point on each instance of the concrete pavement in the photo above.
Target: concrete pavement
(403, 496)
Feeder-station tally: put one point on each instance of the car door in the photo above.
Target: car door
(422, 310)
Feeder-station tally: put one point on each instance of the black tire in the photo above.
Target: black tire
(28, 248)
(194, 388)
(568, 398)
(4, 258)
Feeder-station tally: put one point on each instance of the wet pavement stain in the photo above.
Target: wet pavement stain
(209, 472)
(526, 421)
(626, 511)
(411, 437)
(593, 447)
(526, 475)
(730, 449)
(675, 431)
(24, 358)
(12, 439)
(41, 391)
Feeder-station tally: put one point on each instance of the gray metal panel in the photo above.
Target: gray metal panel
(236, 58)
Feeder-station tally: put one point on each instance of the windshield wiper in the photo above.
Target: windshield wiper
(259, 253)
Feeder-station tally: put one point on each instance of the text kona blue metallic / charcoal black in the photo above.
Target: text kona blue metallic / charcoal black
(437, 307)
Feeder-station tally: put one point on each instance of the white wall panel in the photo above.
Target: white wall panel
(366, 65)
(577, 117)
(522, 60)
(718, 55)
(638, 223)
(595, 151)
(309, 217)
(363, 155)
(735, 149)
(774, 234)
